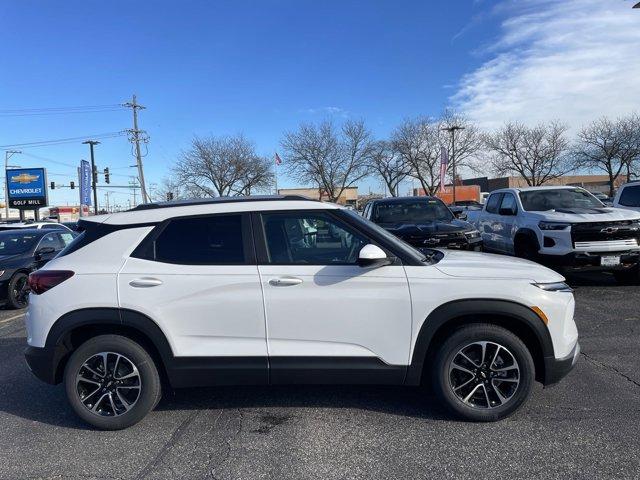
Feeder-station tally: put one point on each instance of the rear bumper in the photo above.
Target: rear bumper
(555, 369)
(44, 362)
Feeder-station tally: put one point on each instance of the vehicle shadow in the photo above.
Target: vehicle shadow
(24, 396)
(590, 279)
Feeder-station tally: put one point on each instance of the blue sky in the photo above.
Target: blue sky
(260, 68)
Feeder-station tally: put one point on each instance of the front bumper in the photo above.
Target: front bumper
(555, 369)
(44, 362)
(592, 260)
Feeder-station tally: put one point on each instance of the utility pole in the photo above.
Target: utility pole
(136, 136)
(106, 196)
(94, 175)
(452, 130)
(7, 156)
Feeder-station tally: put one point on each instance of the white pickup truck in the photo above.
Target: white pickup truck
(561, 226)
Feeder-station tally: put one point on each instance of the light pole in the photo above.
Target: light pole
(452, 129)
(94, 174)
(7, 156)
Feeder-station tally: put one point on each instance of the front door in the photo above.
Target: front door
(328, 319)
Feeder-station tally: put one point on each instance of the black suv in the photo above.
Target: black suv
(424, 222)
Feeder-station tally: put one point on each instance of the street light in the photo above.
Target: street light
(452, 129)
(7, 156)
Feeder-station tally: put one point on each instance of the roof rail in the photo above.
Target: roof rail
(212, 201)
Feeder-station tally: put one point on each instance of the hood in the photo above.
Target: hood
(583, 215)
(486, 265)
(427, 228)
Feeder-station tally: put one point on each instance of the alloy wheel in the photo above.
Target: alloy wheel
(484, 375)
(108, 384)
(20, 292)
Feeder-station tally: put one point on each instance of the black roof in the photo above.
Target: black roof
(207, 201)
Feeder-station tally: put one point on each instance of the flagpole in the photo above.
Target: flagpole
(275, 174)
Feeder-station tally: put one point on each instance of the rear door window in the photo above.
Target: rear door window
(211, 240)
(493, 202)
(630, 196)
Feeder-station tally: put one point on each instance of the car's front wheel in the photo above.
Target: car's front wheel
(112, 382)
(483, 372)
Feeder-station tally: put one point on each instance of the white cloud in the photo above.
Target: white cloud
(330, 111)
(572, 60)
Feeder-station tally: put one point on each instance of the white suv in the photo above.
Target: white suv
(280, 290)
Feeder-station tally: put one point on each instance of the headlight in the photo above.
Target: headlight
(553, 225)
(554, 287)
(1, 272)
(472, 234)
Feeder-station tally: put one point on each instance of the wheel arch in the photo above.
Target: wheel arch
(73, 328)
(517, 318)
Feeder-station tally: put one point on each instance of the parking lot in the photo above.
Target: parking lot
(586, 427)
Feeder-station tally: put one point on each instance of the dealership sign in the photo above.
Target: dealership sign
(27, 188)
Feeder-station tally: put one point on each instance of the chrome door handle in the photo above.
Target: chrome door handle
(145, 282)
(285, 281)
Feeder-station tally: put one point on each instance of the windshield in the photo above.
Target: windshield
(543, 200)
(16, 242)
(399, 243)
(419, 211)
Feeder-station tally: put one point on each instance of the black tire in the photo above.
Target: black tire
(630, 276)
(485, 410)
(118, 348)
(526, 247)
(18, 291)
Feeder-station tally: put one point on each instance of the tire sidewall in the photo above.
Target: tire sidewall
(477, 333)
(12, 302)
(150, 380)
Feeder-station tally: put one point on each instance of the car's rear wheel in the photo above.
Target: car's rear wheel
(526, 247)
(483, 372)
(18, 291)
(112, 382)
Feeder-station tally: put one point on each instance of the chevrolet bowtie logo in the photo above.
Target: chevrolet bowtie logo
(24, 178)
(609, 230)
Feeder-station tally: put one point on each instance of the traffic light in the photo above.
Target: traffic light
(169, 196)
(72, 185)
(53, 185)
(106, 175)
(95, 175)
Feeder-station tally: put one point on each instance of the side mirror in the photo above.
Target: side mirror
(507, 211)
(44, 251)
(372, 256)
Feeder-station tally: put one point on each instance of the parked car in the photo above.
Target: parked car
(21, 252)
(561, 226)
(628, 196)
(423, 222)
(186, 290)
(36, 225)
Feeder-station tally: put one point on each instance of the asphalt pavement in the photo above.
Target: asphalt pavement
(588, 426)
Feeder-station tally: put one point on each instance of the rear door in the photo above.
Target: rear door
(489, 224)
(196, 277)
(508, 212)
(328, 319)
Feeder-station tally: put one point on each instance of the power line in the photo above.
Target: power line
(60, 141)
(60, 109)
(31, 114)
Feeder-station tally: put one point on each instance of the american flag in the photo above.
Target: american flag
(278, 159)
(444, 161)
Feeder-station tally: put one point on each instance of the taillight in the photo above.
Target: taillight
(42, 280)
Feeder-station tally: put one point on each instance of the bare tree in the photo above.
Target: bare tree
(537, 154)
(468, 140)
(611, 146)
(325, 156)
(389, 165)
(417, 143)
(222, 166)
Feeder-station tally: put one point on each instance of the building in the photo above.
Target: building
(592, 183)
(349, 195)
